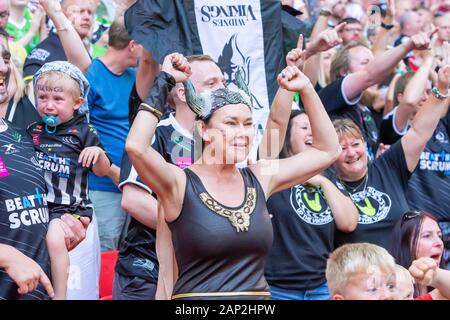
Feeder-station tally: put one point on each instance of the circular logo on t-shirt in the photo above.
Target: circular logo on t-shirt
(310, 205)
(373, 205)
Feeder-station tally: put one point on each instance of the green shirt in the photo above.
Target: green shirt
(18, 33)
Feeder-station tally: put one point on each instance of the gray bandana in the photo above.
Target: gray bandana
(70, 70)
(205, 103)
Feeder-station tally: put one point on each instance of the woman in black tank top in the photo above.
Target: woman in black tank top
(217, 213)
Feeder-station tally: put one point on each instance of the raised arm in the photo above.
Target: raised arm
(276, 125)
(281, 174)
(426, 120)
(413, 93)
(322, 20)
(385, 36)
(155, 172)
(381, 66)
(73, 46)
(326, 40)
(389, 104)
(147, 70)
(273, 138)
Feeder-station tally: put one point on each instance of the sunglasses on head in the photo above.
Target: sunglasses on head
(411, 215)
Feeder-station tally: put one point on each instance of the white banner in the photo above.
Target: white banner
(231, 32)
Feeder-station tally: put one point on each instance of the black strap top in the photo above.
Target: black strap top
(221, 251)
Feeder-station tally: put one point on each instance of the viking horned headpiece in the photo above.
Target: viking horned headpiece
(205, 103)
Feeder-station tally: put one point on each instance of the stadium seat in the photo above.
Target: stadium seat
(108, 263)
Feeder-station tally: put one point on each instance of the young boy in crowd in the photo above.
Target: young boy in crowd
(405, 283)
(361, 271)
(423, 271)
(67, 148)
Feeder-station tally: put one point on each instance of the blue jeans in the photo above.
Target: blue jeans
(111, 219)
(319, 293)
(445, 227)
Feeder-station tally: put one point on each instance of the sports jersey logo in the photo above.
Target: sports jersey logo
(373, 205)
(10, 148)
(183, 162)
(180, 141)
(39, 54)
(51, 145)
(36, 139)
(310, 205)
(440, 136)
(144, 263)
(35, 162)
(69, 140)
(439, 162)
(92, 129)
(59, 166)
(27, 210)
(17, 136)
(3, 170)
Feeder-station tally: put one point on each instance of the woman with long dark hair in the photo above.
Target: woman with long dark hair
(415, 236)
(304, 218)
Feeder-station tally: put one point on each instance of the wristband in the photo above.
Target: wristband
(387, 26)
(143, 106)
(325, 13)
(401, 72)
(437, 94)
(157, 96)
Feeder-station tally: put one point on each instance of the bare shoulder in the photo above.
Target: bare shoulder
(172, 201)
(264, 170)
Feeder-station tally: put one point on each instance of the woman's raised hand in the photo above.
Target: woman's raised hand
(292, 79)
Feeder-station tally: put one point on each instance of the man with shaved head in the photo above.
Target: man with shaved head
(442, 22)
(410, 24)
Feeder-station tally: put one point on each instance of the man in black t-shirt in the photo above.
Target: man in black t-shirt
(353, 70)
(49, 50)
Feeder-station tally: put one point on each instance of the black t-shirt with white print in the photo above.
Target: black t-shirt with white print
(389, 133)
(58, 153)
(23, 211)
(381, 202)
(429, 186)
(338, 106)
(137, 256)
(50, 49)
(304, 231)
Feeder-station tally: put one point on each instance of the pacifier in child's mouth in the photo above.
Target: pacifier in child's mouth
(50, 123)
